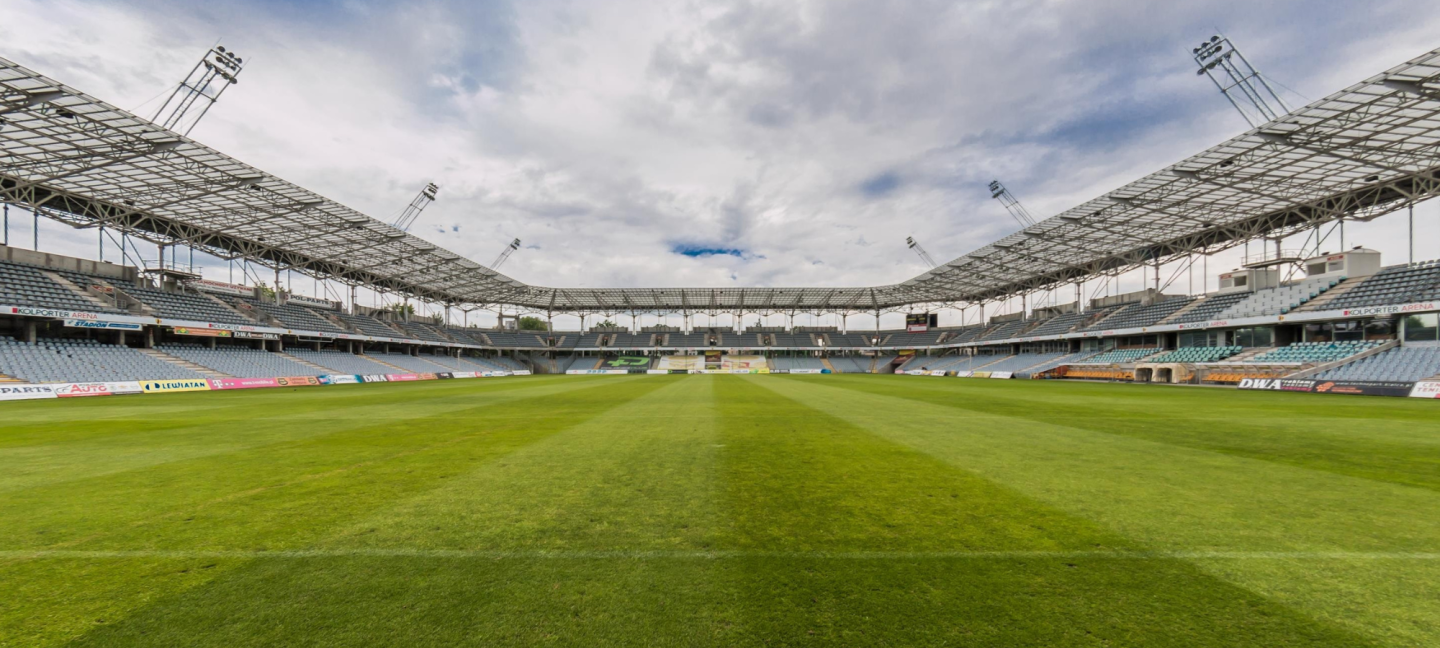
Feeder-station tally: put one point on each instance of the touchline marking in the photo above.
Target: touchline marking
(481, 554)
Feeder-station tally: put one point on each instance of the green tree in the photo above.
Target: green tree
(607, 324)
(529, 323)
(403, 310)
(266, 292)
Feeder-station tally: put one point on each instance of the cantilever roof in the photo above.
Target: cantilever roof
(1361, 152)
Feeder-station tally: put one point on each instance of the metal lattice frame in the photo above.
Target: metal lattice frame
(1362, 152)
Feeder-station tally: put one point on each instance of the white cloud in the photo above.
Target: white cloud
(603, 134)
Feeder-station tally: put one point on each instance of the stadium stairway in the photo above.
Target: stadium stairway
(183, 363)
(376, 359)
(322, 370)
(826, 362)
(1319, 303)
(1175, 316)
(79, 292)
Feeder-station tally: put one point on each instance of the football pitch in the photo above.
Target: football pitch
(712, 510)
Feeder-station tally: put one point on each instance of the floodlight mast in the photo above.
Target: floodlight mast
(505, 254)
(217, 70)
(1011, 203)
(412, 211)
(1239, 81)
(924, 256)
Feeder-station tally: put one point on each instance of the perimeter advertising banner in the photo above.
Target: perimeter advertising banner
(464, 374)
(74, 390)
(1003, 375)
(297, 381)
(964, 374)
(342, 379)
(163, 386)
(26, 392)
(242, 383)
(1353, 387)
(1425, 389)
(200, 332)
(369, 378)
(520, 372)
(93, 324)
(401, 377)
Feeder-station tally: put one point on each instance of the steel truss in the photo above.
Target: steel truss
(1368, 150)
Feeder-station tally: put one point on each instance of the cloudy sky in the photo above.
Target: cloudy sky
(792, 142)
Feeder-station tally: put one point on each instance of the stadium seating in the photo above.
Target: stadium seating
(588, 341)
(1137, 316)
(196, 308)
(1024, 361)
(1058, 324)
(292, 316)
(415, 364)
(240, 362)
(850, 364)
(516, 340)
(850, 340)
(905, 339)
(793, 340)
(1197, 354)
(1315, 352)
(1279, 300)
(786, 364)
(1210, 308)
(368, 325)
(55, 360)
(1052, 363)
(474, 336)
(1407, 363)
(421, 331)
(1118, 356)
(686, 340)
(340, 362)
(23, 285)
(1393, 285)
(1005, 330)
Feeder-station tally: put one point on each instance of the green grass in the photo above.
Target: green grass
(721, 511)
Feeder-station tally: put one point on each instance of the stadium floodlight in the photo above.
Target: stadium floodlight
(1239, 81)
(1011, 204)
(412, 211)
(505, 254)
(924, 256)
(217, 70)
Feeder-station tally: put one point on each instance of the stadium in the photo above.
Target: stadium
(1009, 448)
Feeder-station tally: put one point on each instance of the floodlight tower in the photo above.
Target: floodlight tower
(505, 254)
(215, 72)
(924, 256)
(1011, 203)
(412, 211)
(1239, 81)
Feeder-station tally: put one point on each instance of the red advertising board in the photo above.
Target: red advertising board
(297, 381)
(401, 377)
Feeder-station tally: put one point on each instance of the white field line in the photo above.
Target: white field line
(482, 554)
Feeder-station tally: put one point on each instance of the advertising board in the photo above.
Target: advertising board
(164, 386)
(200, 332)
(73, 390)
(369, 378)
(520, 372)
(96, 324)
(26, 392)
(242, 383)
(1426, 389)
(297, 381)
(342, 379)
(1003, 375)
(401, 377)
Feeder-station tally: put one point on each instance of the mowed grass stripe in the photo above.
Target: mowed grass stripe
(633, 476)
(1391, 440)
(140, 431)
(817, 490)
(1174, 498)
(275, 497)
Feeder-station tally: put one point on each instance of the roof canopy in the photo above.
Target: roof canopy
(1364, 151)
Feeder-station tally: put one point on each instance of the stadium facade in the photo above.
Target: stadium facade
(1288, 319)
